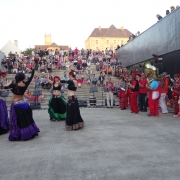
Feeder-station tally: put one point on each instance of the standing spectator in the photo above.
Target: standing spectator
(109, 92)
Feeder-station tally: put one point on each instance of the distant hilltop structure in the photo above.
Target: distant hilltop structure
(48, 44)
(102, 38)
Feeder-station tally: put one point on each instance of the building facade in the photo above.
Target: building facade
(102, 38)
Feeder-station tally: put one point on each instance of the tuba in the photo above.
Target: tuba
(151, 73)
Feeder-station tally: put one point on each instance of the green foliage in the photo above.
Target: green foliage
(28, 51)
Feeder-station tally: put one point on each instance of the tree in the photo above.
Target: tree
(28, 51)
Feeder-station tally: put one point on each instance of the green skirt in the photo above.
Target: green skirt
(57, 108)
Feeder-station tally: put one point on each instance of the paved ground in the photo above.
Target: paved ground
(114, 145)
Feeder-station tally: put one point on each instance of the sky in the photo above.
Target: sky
(70, 22)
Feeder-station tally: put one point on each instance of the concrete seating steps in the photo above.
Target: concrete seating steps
(82, 93)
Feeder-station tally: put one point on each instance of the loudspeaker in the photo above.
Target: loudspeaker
(109, 102)
(35, 105)
(82, 103)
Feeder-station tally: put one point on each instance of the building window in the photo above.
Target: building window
(107, 41)
(122, 41)
(114, 41)
(96, 41)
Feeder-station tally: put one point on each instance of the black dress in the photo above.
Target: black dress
(74, 120)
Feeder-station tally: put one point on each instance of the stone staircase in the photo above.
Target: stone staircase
(82, 93)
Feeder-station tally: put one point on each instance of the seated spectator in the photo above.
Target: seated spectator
(42, 68)
(89, 80)
(101, 79)
(89, 70)
(117, 72)
(3, 71)
(65, 78)
(172, 8)
(110, 71)
(84, 81)
(94, 80)
(97, 66)
(79, 81)
(28, 95)
(75, 63)
(67, 64)
(15, 68)
(28, 67)
(5, 82)
(79, 68)
(101, 64)
(49, 67)
(37, 82)
(104, 69)
(177, 6)
(88, 62)
(84, 63)
(159, 17)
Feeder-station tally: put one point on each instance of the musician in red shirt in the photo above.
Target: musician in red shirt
(128, 90)
(134, 94)
(142, 93)
(176, 95)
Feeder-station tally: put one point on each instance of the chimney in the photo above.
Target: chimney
(122, 28)
(16, 43)
(99, 28)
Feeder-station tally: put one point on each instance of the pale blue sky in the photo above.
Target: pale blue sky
(71, 21)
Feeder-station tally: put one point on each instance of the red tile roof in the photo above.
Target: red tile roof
(112, 31)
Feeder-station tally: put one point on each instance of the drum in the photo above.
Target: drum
(92, 101)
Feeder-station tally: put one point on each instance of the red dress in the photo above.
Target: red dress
(134, 95)
(122, 98)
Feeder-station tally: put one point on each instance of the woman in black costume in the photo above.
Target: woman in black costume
(74, 120)
(22, 125)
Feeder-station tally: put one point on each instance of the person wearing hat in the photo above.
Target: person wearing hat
(154, 95)
(134, 85)
(142, 93)
(164, 92)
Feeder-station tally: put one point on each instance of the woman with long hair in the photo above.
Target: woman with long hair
(4, 125)
(22, 125)
(74, 120)
(57, 103)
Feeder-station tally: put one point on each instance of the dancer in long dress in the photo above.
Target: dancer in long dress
(4, 125)
(74, 120)
(22, 125)
(57, 103)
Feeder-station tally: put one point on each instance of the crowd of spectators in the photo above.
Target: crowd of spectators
(86, 63)
(172, 8)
